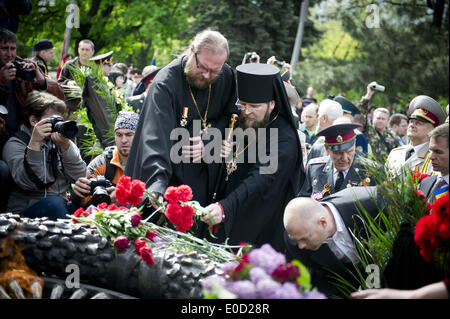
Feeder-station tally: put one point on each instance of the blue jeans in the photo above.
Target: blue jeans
(52, 206)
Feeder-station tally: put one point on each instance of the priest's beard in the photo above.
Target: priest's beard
(196, 79)
(244, 124)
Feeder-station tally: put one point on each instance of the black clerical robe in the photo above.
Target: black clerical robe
(254, 202)
(150, 158)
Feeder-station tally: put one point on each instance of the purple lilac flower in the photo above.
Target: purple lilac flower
(289, 291)
(244, 289)
(314, 295)
(206, 283)
(257, 274)
(267, 289)
(267, 258)
(226, 267)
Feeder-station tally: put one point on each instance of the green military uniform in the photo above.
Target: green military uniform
(381, 144)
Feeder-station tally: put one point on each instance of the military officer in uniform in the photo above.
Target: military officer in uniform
(44, 53)
(343, 167)
(426, 114)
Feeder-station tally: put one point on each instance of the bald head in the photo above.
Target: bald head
(301, 210)
(307, 222)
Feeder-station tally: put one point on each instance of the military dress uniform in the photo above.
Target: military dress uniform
(320, 183)
(321, 176)
(422, 108)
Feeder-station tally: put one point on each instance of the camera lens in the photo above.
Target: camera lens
(68, 129)
(100, 196)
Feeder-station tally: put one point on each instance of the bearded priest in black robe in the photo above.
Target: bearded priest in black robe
(259, 187)
(194, 92)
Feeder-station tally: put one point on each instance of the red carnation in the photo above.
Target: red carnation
(171, 195)
(147, 255)
(138, 244)
(122, 189)
(420, 194)
(77, 213)
(150, 235)
(128, 192)
(102, 206)
(418, 177)
(137, 189)
(112, 207)
(121, 242)
(184, 193)
(135, 220)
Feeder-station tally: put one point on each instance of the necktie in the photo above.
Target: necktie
(339, 181)
(409, 153)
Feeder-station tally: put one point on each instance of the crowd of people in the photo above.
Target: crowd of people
(290, 181)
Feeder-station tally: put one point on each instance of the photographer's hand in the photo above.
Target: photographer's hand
(41, 131)
(112, 193)
(7, 74)
(271, 60)
(40, 78)
(82, 187)
(369, 92)
(61, 141)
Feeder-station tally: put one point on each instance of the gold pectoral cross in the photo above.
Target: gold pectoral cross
(204, 127)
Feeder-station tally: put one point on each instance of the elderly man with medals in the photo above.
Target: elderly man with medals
(343, 167)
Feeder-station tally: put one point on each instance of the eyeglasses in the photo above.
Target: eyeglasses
(205, 70)
(248, 108)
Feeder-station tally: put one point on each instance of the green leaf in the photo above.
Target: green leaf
(304, 280)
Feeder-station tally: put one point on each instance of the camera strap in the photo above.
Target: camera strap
(24, 137)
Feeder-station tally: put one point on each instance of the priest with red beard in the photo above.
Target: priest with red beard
(255, 193)
(196, 87)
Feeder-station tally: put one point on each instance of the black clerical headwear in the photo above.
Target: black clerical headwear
(255, 82)
(339, 137)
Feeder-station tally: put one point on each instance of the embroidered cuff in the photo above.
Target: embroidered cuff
(223, 213)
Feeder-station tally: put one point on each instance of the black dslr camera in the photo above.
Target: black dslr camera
(98, 190)
(25, 74)
(68, 129)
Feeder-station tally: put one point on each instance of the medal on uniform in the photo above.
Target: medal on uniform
(183, 121)
(326, 189)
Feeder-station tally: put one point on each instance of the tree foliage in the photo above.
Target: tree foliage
(133, 29)
(407, 52)
(266, 27)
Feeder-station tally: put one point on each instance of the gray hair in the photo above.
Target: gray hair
(381, 110)
(211, 40)
(331, 108)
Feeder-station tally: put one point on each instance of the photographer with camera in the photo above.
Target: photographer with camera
(42, 159)
(286, 69)
(18, 77)
(107, 168)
